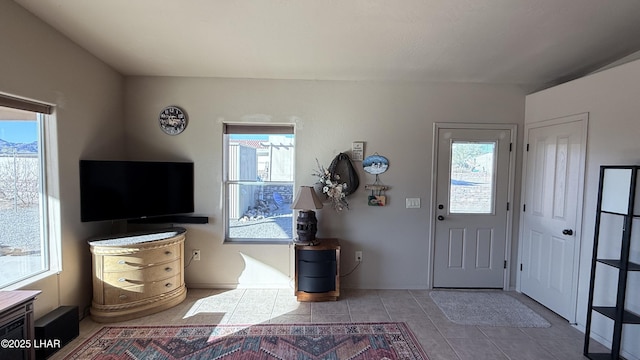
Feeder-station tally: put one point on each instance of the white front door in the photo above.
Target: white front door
(471, 212)
(552, 208)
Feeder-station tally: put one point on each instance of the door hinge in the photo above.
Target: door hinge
(527, 147)
(507, 206)
(520, 267)
(510, 147)
(505, 264)
(524, 207)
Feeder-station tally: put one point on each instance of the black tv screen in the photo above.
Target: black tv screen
(117, 190)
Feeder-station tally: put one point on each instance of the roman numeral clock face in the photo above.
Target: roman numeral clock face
(173, 120)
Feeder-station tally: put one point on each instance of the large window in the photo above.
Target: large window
(259, 168)
(24, 244)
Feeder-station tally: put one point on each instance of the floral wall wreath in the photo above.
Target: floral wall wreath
(338, 181)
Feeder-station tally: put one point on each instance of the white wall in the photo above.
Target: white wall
(393, 119)
(38, 63)
(612, 101)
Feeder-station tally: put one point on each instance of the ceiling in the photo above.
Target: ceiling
(531, 43)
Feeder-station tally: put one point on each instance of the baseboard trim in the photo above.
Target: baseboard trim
(230, 286)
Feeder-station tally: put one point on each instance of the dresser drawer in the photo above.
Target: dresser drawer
(141, 259)
(152, 273)
(317, 255)
(114, 295)
(317, 269)
(316, 284)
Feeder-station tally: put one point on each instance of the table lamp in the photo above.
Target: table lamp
(306, 201)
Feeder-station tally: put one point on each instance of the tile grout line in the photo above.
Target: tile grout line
(438, 330)
(385, 307)
(237, 303)
(421, 307)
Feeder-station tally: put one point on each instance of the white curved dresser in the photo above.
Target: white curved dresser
(137, 275)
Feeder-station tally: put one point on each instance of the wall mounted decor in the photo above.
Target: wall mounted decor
(173, 120)
(343, 171)
(377, 200)
(376, 165)
(330, 188)
(357, 151)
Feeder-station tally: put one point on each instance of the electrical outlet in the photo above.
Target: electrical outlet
(196, 255)
(358, 256)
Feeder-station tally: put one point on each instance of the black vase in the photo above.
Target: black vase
(307, 226)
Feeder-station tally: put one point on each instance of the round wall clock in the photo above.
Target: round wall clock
(173, 120)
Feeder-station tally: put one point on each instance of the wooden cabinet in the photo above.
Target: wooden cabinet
(317, 275)
(137, 275)
(16, 324)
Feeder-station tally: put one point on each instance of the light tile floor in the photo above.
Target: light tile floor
(440, 338)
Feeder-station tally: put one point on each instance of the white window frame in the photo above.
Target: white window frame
(49, 206)
(244, 128)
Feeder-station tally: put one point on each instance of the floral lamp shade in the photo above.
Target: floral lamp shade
(307, 225)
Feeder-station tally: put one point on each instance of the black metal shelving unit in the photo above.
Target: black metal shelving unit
(611, 186)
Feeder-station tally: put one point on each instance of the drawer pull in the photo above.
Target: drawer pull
(122, 279)
(167, 252)
(122, 262)
(168, 285)
(122, 297)
(168, 269)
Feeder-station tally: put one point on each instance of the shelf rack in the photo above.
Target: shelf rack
(616, 197)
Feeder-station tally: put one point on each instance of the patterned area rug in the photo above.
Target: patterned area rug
(491, 308)
(263, 341)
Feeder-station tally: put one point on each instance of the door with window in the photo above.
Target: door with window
(472, 195)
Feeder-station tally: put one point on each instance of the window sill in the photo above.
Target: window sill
(30, 281)
(258, 242)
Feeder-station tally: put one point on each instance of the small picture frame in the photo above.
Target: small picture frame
(377, 200)
(357, 151)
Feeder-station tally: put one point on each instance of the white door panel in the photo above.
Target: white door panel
(552, 198)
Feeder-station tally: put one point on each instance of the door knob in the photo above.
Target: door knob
(567, 232)
(440, 217)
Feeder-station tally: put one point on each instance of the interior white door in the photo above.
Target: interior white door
(472, 191)
(552, 203)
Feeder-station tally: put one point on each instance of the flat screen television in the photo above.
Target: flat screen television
(119, 190)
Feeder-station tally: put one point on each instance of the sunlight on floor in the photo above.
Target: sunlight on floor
(257, 272)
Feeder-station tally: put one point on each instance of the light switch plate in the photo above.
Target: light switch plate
(413, 203)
